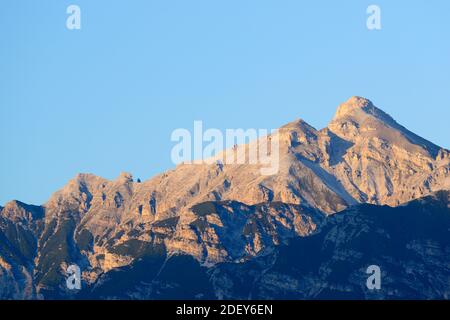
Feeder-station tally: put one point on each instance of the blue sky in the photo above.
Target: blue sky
(105, 99)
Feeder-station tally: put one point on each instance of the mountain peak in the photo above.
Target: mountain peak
(358, 109)
(125, 177)
(353, 105)
(358, 116)
(17, 210)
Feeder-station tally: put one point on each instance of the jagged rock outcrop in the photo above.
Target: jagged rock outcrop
(20, 226)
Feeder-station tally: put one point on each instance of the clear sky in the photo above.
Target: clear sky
(106, 98)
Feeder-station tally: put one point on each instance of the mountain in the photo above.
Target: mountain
(384, 163)
(200, 216)
(409, 243)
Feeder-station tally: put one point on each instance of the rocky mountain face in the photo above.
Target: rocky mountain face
(409, 243)
(383, 163)
(204, 217)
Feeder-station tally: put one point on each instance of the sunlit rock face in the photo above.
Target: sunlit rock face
(384, 163)
(218, 213)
